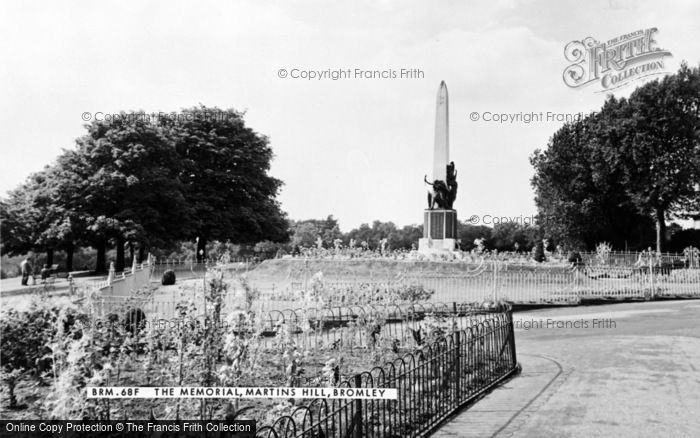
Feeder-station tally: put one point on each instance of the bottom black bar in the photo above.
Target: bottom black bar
(127, 429)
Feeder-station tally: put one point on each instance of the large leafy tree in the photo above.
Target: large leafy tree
(132, 182)
(578, 190)
(20, 220)
(128, 186)
(224, 166)
(33, 218)
(635, 162)
(69, 223)
(660, 148)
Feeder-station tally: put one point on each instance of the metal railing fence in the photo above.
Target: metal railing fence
(432, 382)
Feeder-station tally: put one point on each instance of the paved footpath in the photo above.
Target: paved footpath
(14, 295)
(499, 409)
(622, 370)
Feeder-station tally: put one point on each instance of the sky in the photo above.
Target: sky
(357, 147)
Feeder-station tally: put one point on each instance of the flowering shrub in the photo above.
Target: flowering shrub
(320, 294)
(25, 341)
(211, 345)
(437, 326)
(603, 251)
(331, 373)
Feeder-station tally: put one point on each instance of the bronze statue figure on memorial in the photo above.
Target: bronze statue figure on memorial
(451, 181)
(439, 194)
(443, 193)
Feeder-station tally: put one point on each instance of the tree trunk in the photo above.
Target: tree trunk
(120, 254)
(101, 264)
(70, 248)
(660, 229)
(142, 253)
(201, 249)
(131, 253)
(49, 257)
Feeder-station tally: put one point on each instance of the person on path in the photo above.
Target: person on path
(45, 272)
(26, 269)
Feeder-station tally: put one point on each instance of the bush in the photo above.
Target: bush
(25, 340)
(25, 335)
(414, 293)
(168, 278)
(539, 255)
(575, 259)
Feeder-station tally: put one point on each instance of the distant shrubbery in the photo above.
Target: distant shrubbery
(538, 253)
(575, 258)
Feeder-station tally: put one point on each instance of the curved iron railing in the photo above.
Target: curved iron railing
(432, 383)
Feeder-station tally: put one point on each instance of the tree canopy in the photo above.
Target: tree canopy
(134, 181)
(224, 169)
(634, 163)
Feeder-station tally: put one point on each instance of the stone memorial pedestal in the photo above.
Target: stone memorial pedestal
(439, 232)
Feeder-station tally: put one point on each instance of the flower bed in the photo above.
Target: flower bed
(77, 346)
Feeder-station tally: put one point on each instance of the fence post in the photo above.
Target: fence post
(651, 275)
(357, 421)
(495, 277)
(511, 335)
(110, 275)
(305, 279)
(458, 366)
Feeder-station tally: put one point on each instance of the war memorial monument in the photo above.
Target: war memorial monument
(440, 218)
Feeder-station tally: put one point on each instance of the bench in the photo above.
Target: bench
(48, 272)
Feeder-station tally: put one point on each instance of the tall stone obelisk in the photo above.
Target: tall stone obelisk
(440, 219)
(441, 151)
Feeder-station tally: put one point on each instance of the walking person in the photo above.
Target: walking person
(26, 269)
